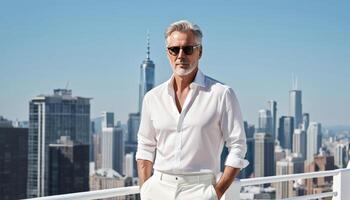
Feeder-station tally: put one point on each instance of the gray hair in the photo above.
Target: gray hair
(184, 26)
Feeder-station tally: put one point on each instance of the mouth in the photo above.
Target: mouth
(182, 64)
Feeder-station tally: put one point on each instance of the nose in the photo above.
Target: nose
(181, 54)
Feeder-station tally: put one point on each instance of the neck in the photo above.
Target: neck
(183, 82)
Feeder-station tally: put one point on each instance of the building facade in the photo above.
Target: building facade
(68, 167)
(50, 117)
(13, 163)
(285, 132)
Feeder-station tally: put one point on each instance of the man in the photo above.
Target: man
(184, 124)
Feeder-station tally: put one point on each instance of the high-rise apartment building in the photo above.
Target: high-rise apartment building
(50, 117)
(265, 122)
(285, 132)
(341, 154)
(13, 162)
(293, 164)
(112, 148)
(314, 137)
(68, 167)
(264, 155)
(299, 142)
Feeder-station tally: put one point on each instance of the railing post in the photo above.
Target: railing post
(232, 193)
(341, 184)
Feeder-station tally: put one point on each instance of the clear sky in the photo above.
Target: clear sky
(253, 46)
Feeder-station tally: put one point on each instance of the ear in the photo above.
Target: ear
(200, 52)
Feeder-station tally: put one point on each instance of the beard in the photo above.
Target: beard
(185, 69)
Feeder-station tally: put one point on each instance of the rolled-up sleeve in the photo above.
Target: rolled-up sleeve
(146, 135)
(232, 128)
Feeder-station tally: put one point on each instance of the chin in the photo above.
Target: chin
(183, 72)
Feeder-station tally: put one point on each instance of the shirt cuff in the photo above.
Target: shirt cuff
(142, 154)
(236, 162)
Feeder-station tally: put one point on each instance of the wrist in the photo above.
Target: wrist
(219, 193)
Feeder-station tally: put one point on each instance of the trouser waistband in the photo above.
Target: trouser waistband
(188, 178)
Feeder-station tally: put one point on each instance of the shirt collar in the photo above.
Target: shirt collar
(199, 81)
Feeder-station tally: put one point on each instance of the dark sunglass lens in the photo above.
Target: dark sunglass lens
(174, 50)
(188, 50)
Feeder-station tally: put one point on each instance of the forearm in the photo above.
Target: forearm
(144, 168)
(226, 180)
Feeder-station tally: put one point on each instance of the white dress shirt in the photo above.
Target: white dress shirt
(192, 141)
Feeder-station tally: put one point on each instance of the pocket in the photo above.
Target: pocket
(215, 196)
(145, 184)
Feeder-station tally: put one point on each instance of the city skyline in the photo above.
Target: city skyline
(98, 49)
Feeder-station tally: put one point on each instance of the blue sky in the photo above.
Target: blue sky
(253, 46)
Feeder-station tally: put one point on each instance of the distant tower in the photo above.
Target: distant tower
(273, 109)
(265, 122)
(295, 104)
(306, 121)
(285, 132)
(107, 119)
(113, 148)
(264, 155)
(293, 164)
(314, 137)
(341, 156)
(299, 142)
(146, 75)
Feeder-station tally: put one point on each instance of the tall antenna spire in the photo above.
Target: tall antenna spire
(148, 46)
(294, 82)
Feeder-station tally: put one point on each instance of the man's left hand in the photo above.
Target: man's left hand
(218, 193)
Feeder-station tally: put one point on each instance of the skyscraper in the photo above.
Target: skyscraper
(113, 148)
(273, 109)
(146, 75)
(299, 142)
(306, 121)
(264, 155)
(50, 117)
(293, 164)
(13, 162)
(107, 119)
(295, 107)
(285, 132)
(68, 167)
(314, 137)
(265, 122)
(341, 155)
(129, 164)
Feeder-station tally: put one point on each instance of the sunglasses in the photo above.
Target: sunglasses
(188, 50)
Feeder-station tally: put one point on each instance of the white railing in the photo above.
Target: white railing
(341, 191)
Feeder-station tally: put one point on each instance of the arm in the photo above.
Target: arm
(144, 170)
(226, 180)
(146, 144)
(232, 129)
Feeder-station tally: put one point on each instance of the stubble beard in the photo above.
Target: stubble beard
(184, 71)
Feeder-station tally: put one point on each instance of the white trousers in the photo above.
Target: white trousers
(163, 186)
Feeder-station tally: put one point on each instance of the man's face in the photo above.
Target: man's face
(183, 64)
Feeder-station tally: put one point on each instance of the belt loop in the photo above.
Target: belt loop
(161, 176)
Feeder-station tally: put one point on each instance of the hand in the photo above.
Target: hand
(218, 193)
